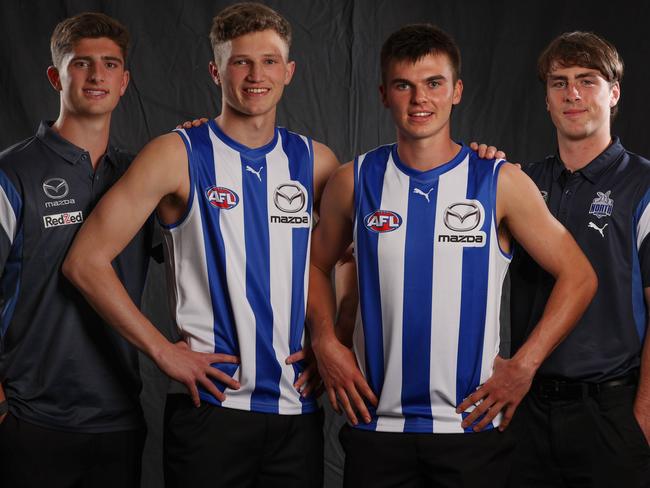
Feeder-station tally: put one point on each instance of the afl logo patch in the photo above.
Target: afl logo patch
(383, 221)
(222, 197)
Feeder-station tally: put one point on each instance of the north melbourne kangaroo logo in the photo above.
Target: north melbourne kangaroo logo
(417, 191)
(256, 173)
(599, 229)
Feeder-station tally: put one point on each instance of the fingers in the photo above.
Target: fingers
(295, 357)
(188, 124)
(194, 393)
(347, 406)
(331, 396)
(507, 418)
(474, 399)
(473, 146)
(359, 405)
(222, 358)
(499, 155)
(224, 378)
(365, 390)
(212, 389)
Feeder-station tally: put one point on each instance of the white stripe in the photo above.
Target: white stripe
(228, 170)
(390, 255)
(643, 227)
(190, 297)
(445, 308)
(281, 267)
(7, 216)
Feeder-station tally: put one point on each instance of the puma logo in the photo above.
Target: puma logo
(417, 191)
(256, 173)
(599, 229)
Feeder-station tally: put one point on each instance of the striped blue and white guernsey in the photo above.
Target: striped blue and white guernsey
(430, 274)
(238, 262)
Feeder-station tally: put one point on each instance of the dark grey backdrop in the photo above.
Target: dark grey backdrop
(333, 96)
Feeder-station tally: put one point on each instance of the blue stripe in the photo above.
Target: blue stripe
(301, 164)
(265, 396)
(368, 192)
(416, 321)
(638, 299)
(203, 176)
(476, 262)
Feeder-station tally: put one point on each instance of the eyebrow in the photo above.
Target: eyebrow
(103, 58)
(578, 76)
(427, 80)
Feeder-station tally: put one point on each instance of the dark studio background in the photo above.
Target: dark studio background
(333, 96)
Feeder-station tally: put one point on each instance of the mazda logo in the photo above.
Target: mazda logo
(289, 198)
(56, 188)
(462, 216)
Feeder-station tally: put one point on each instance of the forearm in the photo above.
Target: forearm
(642, 401)
(569, 299)
(321, 307)
(102, 288)
(347, 298)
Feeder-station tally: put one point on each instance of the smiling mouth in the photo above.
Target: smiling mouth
(257, 91)
(95, 93)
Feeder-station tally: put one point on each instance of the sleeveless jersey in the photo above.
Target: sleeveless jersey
(237, 262)
(430, 275)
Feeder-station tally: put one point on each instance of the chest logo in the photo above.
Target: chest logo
(463, 216)
(256, 173)
(221, 197)
(56, 188)
(383, 221)
(289, 198)
(544, 194)
(601, 230)
(417, 191)
(68, 218)
(602, 205)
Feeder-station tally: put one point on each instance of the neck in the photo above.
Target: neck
(251, 131)
(576, 154)
(89, 133)
(428, 153)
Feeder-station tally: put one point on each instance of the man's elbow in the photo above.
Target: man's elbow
(73, 268)
(589, 282)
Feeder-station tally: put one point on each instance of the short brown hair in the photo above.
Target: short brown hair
(246, 17)
(89, 25)
(415, 41)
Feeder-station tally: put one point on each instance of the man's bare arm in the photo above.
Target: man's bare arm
(642, 401)
(525, 215)
(159, 171)
(343, 380)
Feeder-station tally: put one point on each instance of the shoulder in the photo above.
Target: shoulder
(20, 152)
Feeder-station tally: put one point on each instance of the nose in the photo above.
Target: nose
(572, 92)
(96, 73)
(255, 73)
(418, 95)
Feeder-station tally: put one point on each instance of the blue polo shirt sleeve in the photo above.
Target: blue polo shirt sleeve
(642, 237)
(10, 249)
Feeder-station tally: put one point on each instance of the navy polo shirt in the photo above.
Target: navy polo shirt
(62, 367)
(605, 207)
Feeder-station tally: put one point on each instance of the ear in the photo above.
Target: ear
(458, 92)
(383, 95)
(614, 94)
(214, 73)
(291, 69)
(126, 77)
(54, 78)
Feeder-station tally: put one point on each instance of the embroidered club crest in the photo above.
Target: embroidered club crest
(602, 205)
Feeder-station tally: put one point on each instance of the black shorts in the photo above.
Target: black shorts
(217, 446)
(35, 457)
(594, 442)
(407, 460)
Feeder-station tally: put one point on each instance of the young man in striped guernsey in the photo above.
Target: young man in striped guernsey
(431, 224)
(236, 198)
